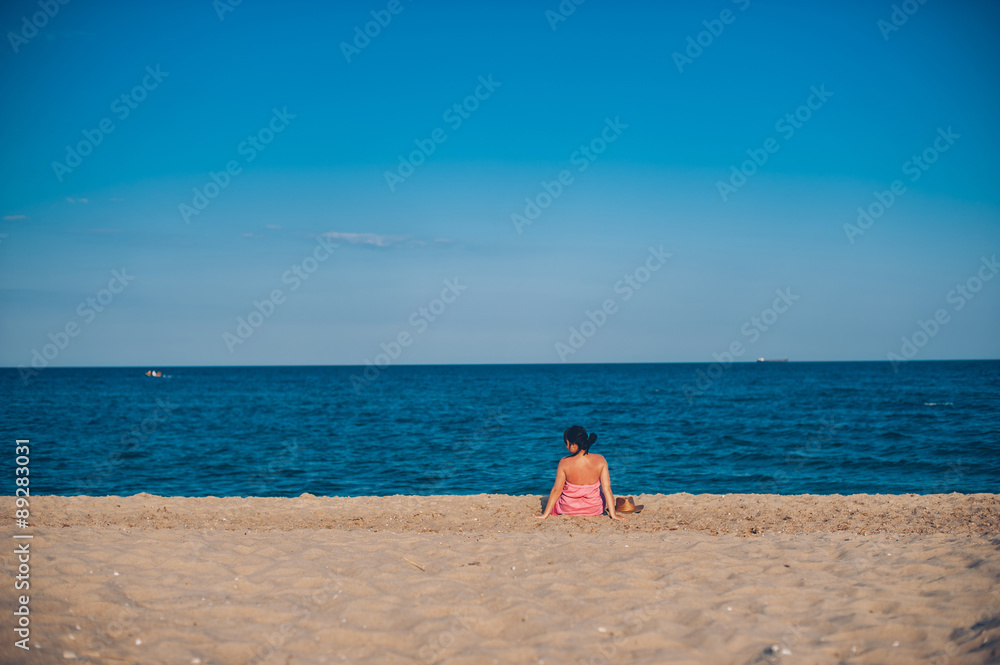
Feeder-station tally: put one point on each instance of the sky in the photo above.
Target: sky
(412, 182)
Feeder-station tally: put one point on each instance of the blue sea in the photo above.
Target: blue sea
(785, 428)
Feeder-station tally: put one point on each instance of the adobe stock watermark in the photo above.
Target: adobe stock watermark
(752, 330)
(795, 460)
(434, 649)
(786, 126)
(491, 422)
(958, 297)
(713, 30)
(626, 287)
(914, 167)
(249, 148)
(581, 158)
(122, 106)
(134, 437)
(264, 309)
(31, 26)
(420, 321)
(87, 310)
(952, 480)
(381, 18)
(454, 115)
(563, 11)
(630, 624)
(114, 627)
(284, 457)
(279, 635)
(223, 7)
(901, 13)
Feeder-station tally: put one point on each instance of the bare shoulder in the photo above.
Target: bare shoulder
(599, 459)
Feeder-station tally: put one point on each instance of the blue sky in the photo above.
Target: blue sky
(328, 130)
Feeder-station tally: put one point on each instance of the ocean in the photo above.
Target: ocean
(781, 428)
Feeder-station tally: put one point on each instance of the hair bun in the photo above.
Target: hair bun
(577, 436)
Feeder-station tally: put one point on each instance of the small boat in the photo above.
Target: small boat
(153, 372)
(772, 360)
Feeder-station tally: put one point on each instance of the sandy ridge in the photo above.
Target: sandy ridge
(735, 514)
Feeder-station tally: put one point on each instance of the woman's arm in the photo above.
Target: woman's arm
(609, 498)
(557, 489)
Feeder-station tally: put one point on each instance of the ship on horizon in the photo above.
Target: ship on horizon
(772, 360)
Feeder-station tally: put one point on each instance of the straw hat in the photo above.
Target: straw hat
(625, 504)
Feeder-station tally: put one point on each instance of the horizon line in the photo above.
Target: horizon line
(523, 364)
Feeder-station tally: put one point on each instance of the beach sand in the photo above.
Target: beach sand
(740, 579)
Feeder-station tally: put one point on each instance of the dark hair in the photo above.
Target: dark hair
(578, 435)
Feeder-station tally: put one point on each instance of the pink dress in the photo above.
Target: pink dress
(580, 500)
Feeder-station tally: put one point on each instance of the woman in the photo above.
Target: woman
(583, 486)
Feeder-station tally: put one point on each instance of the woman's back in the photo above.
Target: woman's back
(583, 469)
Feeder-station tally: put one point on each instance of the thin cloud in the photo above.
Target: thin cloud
(100, 232)
(11, 218)
(273, 226)
(72, 200)
(372, 239)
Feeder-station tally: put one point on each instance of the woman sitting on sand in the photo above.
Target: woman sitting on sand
(583, 486)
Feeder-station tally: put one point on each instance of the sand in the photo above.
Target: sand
(741, 579)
